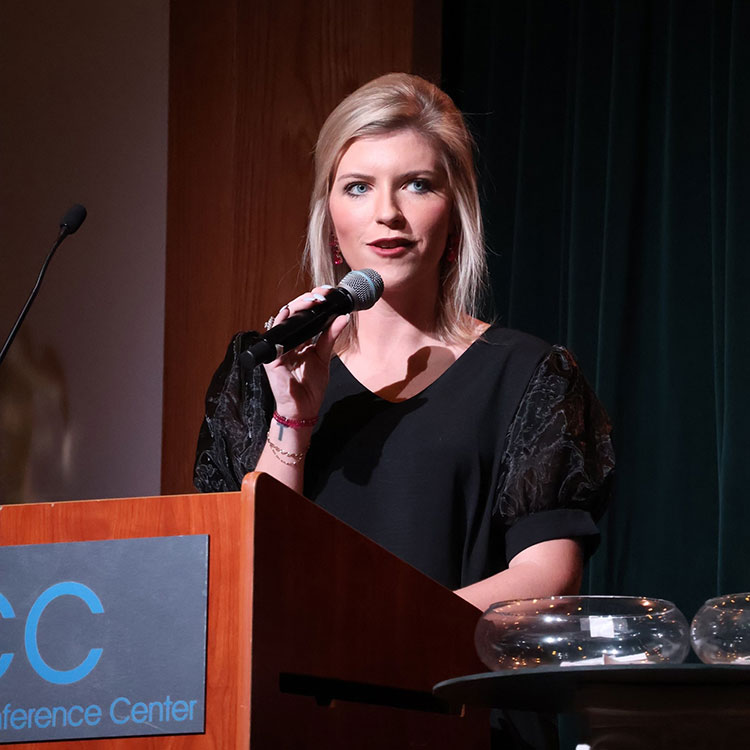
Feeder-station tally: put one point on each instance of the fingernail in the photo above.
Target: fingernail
(308, 299)
(319, 297)
(326, 286)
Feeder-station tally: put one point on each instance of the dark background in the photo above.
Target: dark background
(614, 161)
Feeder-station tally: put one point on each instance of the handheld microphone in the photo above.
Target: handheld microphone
(68, 225)
(358, 290)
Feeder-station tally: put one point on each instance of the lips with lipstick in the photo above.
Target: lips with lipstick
(389, 246)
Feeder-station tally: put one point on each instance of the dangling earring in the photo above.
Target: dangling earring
(338, 258)
(450, 249)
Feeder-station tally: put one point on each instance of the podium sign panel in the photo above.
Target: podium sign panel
(103, 638)
(299, 654)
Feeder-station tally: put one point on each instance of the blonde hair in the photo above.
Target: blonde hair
(399, 101)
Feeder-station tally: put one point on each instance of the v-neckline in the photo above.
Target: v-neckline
(461, 357)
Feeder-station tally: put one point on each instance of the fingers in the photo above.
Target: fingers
(328, 337)
(303, 302)
(323, 345)
(280, 316)
(338, 325)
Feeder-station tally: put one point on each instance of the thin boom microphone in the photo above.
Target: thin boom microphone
(69, 224)
(73, 219)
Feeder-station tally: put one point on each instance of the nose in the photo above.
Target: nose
(387, 210)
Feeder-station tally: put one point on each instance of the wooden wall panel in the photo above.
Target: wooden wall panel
(251, 82)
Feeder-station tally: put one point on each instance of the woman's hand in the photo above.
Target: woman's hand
(299, 378)
(298, 381)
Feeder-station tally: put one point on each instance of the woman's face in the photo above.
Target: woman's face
(391, 209)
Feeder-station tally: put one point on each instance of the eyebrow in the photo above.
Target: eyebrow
(432, 173)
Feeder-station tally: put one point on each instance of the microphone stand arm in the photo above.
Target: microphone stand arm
(64, 231)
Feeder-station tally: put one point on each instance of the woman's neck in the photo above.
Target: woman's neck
(401, 324)
(398, 352)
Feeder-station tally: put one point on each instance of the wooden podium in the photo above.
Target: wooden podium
(317, 637)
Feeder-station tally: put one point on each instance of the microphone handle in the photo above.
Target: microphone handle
(300, 327)
(63, 234)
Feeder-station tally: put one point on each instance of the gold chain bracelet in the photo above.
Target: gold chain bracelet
(280, 454)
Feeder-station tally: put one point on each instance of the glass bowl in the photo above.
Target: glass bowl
(720, 631)
(567, 631)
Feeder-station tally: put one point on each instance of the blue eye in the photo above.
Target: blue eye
(356, 188)
(419, 186)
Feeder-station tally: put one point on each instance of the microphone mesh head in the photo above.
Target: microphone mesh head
(365, 286)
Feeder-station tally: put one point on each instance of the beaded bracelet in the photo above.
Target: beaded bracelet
(295, 424)
(279, 453)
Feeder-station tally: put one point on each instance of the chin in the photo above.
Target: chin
(400, 272)
(414, 280)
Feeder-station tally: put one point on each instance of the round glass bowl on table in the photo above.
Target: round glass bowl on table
(720, 631)
(567, 631)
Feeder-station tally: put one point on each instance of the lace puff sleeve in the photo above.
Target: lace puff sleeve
(239, 405)
(558, 463)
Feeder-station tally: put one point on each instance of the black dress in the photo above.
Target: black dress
(509, 447)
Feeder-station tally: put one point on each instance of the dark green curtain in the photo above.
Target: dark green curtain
(614, 158)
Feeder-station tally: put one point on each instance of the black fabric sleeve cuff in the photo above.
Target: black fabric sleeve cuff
(560, 523)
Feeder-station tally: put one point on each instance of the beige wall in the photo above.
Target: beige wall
(83, 98)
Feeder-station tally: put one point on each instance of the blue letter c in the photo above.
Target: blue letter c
(60, 677)
(7, 613)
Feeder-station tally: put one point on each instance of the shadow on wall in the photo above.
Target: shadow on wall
(34, 418)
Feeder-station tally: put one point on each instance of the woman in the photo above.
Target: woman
(476, 453)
